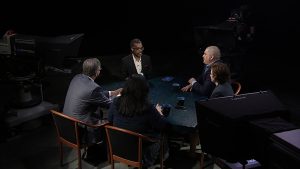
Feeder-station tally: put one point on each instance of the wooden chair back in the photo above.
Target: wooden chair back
(70, 133)
(236, 86)
(126, 146)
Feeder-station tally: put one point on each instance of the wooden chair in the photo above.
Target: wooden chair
(70, 134)
(125, 146)
(236, 86)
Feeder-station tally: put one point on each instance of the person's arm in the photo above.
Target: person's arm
(8, 33)
(124, 69)
(159, 109)
(204, 89)
(147, 66)
(157, 120)
(100, 97)
(115, 93)
(188, 87)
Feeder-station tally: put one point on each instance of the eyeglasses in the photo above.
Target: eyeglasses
(142, 48)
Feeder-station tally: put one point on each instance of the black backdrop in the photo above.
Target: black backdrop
(166, 29)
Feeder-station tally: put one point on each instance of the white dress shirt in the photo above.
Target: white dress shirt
(138, 64)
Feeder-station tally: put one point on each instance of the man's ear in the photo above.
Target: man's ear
(131, 49)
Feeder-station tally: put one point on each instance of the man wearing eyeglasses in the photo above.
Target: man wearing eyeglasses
(136, 62)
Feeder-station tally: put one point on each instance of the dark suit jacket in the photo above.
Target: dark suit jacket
(149, 123)
(204, 86)
(222, 90)
(128, 66)
(83, 98)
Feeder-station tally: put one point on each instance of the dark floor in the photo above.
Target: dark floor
(37, 148)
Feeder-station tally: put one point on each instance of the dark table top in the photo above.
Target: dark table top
(162, 91)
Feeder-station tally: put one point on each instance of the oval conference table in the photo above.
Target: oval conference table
(166, 90)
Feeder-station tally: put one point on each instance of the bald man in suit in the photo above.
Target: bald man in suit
(203, 85)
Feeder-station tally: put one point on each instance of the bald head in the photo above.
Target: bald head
(214, 51)
(211, 54)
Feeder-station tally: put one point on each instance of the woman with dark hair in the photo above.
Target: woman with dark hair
(220, 75)
(133, 111)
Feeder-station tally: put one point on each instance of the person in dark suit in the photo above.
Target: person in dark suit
(136, 62)
(220, 75)
(85, 97)
(133, 111)
(203, 84)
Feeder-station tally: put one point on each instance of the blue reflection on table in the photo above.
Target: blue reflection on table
(165, 92)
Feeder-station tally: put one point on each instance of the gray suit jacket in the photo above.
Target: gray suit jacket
(83, 98)
(222, 90)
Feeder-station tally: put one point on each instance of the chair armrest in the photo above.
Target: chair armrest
(101, 123)
(151, 139)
